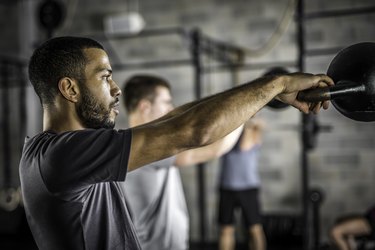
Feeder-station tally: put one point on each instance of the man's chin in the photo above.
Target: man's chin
(105, 125)
(109, 125)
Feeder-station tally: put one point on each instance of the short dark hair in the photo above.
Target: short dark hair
(140, 87)
(57, 58)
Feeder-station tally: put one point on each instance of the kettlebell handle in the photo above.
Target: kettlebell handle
(343, 88)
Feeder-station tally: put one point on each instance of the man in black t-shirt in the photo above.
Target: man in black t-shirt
(70, 172)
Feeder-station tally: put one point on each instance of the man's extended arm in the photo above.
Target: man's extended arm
(209, 152)
(207, 120)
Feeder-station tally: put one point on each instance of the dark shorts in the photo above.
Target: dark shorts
(247, 200)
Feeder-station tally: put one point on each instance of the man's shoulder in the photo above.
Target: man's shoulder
(76, 134)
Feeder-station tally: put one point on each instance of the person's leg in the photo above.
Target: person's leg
(355, 226)
(350, 239)
(226, 212)
(249, 202)
(226, 240)
(257, 238)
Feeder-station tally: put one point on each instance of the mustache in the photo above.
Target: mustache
(115, 103)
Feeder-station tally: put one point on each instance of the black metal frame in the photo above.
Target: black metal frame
(11, 76)
(301, 17)
(5, 125)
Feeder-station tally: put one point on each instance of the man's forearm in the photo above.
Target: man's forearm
(183, 108)
(216, 116)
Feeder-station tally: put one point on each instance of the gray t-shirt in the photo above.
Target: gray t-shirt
(71, 186)
(239, 169)
(157, 205)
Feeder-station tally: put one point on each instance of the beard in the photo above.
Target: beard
(91, 113)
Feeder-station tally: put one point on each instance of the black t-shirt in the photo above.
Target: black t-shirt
(70, 185)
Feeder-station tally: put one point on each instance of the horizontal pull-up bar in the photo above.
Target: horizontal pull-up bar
(323, 51)
(221, 51)
(152, 64)
(249, 66)
(336, 13)
(145, 33)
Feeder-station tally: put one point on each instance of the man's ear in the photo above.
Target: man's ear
(69, 89)
(144, 106)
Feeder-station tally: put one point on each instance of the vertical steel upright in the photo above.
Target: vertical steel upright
(22, 106)
(304, 151)
(7, 161)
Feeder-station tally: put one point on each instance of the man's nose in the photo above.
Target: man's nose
(115, 90)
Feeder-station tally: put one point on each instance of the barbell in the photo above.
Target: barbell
(353, 71)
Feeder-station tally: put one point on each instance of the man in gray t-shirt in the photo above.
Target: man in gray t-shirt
(158, 206)
(154, 192)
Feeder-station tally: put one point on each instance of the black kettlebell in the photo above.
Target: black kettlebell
(353, 71)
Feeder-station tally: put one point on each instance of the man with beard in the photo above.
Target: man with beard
(70, 172)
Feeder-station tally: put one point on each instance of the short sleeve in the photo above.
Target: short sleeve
(85, 157)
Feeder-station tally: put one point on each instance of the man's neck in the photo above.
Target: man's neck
(136, 120)
(60, 123)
